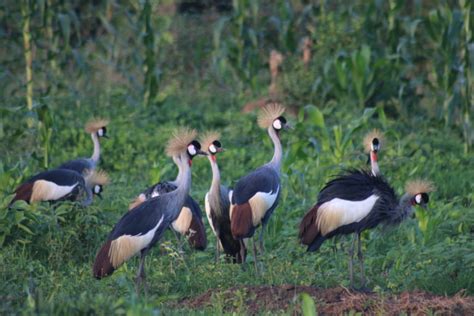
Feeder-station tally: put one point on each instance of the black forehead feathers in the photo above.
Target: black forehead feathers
(375, 141)
(196, 144)
(217, 143)
(425, 197)
(282, 119)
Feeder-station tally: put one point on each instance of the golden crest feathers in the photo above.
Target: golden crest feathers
(180, 140)
(269, 113)
(95, 124)
(375, 133)
(208, 138)
(94, 177)
(419, 186)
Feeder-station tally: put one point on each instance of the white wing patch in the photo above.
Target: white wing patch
(231, 209)
(260, 203)
(208, 213)
(49, 191)
(338, 212)
(126, 246)
(182, 223)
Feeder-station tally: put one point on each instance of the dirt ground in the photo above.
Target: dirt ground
(333, 301)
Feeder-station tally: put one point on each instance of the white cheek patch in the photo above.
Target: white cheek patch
(192, 150)
(276, 124)
(100, 132)
(212, 149)
(97, 189)
(418, 198)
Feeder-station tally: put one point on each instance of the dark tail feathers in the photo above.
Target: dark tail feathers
(102, 265)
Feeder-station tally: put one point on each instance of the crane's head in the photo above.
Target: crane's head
(418, 191)
(97, 127)
(96, 179)
(183, 144)
(211, 143)
(271, 115)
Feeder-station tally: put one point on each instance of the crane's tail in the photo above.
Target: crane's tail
(241, 222)
(103, 266)
(308, 227)
(197, 234)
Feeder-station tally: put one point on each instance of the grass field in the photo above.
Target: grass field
(404, 68)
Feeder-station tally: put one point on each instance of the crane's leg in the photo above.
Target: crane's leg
(141, 273)
(217, 249)
(242, 250)
(351, 262)
(255, 255)
(260, 237)
(361, 260)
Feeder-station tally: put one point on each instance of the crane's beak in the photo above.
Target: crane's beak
(201, 152)
(219, 150)
(288, 126)
(100, 196)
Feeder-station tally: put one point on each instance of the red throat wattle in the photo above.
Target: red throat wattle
(214, 158)
(190, 162)
(373, 156)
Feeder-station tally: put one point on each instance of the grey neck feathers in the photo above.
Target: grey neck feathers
(183, 181)
(404, 209)
(216, 177)
(96, 154)
(176, 161)
(215, 190)
(276, 160)
(88, 200)
(375, 167)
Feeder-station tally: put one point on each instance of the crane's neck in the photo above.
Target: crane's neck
(277, 154)
(183, 180)
(176, 160)
(374, 163)
(88, 200)
(216, 177)
(96, 154)
(405, 209)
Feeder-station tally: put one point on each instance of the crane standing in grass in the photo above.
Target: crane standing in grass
(354, 202)
(256, 195)
(217, 203)
(189, 222)
(97, 128)
(61, 184)
(139, 230)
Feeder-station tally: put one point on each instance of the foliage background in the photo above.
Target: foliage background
(405, 67)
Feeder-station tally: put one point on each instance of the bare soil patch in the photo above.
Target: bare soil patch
(333, 301)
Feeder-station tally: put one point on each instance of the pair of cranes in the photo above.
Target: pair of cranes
(350, 203)
(72, 179)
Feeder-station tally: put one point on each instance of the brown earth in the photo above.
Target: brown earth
(332, 301)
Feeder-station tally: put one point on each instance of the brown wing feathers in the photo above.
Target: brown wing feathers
(197, 234)
(23, 192)
(308, 228)
(103, 265)
(241, 223)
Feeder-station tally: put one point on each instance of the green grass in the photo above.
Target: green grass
(47, 251)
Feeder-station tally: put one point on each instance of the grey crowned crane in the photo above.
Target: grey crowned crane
(217, 203)
(189, 222)
(256, 195)
(139, 230)
(60, 184)
(373, 143)
(97, 128)
(354, 202)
